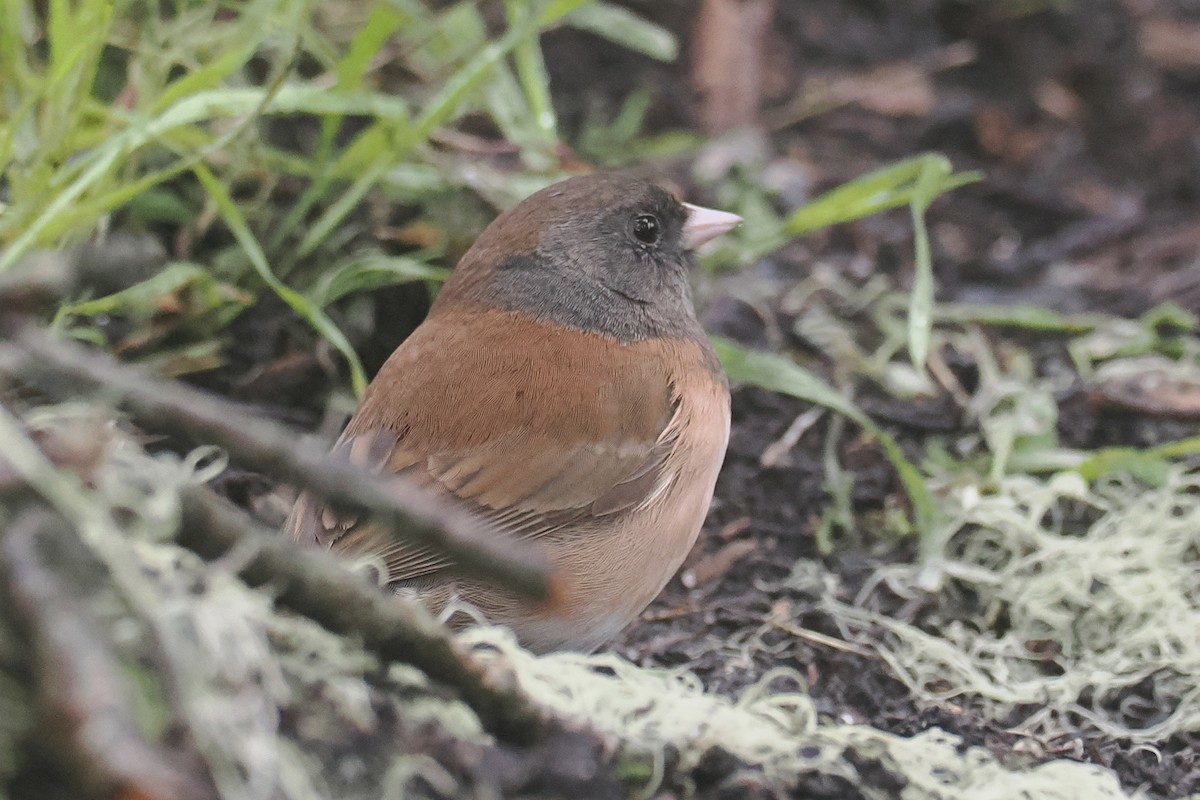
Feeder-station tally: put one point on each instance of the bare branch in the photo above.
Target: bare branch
(313, 584)
(84, 698)
(66, 370)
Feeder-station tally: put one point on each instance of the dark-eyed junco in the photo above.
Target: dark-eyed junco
(561, 388)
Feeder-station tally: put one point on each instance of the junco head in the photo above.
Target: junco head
(562, 389)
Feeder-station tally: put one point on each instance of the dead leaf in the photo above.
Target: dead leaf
(1000, 134)
(894, 90)
(1172, 44)
(1153, 392)
(729, 52)
(714, 565)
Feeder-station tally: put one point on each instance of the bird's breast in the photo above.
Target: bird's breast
(613, 568)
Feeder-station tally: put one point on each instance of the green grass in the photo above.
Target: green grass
(118, 118)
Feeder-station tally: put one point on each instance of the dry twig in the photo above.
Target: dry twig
(314, 585)
(65, 370)
(85, 701)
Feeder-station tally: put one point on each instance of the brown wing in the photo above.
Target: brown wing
(529, 431)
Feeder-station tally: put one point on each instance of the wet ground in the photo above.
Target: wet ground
(1086, 125)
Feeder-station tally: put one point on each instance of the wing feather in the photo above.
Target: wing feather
(533, 478)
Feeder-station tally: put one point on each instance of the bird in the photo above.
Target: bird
(562, 390)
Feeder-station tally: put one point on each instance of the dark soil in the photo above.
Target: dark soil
(1088, 208)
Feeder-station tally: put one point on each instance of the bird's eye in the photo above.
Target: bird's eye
(646, 228)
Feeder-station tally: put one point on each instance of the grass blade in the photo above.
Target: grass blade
(531, 72)
(777, 373)
(914, 182)
(621, 26)
(232, 215)
(935, 172)
(890, 187)
(437, 112)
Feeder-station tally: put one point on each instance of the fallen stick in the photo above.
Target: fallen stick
(85, 703)
(315, 585)
(67, 371)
